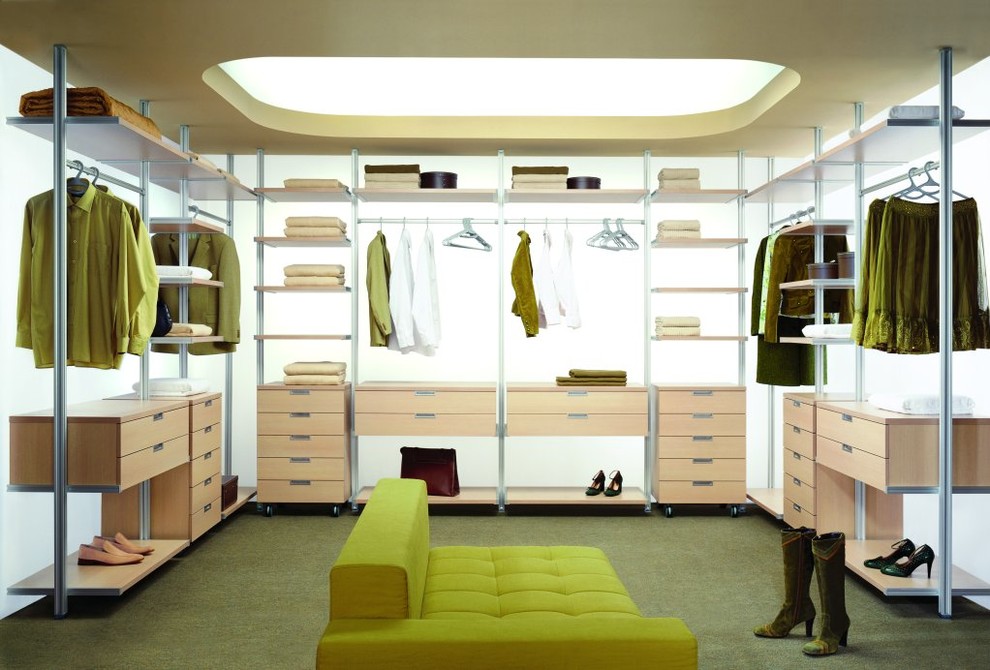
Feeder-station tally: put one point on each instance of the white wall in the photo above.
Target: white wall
(612, 304)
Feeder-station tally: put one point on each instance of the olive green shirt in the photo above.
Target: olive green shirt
(379, 275)
(110, 272)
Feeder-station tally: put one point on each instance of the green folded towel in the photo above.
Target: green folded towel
(540, 169)
(577, 372)
(390, 169)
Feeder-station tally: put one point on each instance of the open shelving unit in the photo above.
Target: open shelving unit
(426, 195)
(706, 196)
(575, 195)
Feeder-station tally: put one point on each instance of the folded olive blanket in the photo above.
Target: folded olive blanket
(85, 101)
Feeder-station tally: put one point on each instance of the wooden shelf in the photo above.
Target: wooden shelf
(770, 501)
(342, 194)
(244, 494)
(470, 495)
(820, 227)
(815, 340)
(426, 195)
(99, 580)
(575, 195)
(189, 281)
(304, 241)
(183, 225)
(571, 495)
(844, 282)
(918, 584)
(714, 196)
(701, 338)
(185, 340)
(699, 243)
(303, 289)
(700, 289)
(302, 337)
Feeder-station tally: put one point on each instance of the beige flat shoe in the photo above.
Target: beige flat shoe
(90, 555)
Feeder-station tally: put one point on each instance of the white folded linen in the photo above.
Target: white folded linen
(182, 271)
(312, 183)
(680, 184)
(679, 173)
(314, 222)
(828, 330)
(906, 403)
(921, 112)
(679, 224)
(689, 321)
(391, 177)
(175, 386)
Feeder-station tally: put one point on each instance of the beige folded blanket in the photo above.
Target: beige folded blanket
(316, 380)
(542, 186)
(539, 169)
(392, 185)
(679, 173)
(679, 234)
(401, 177)
(304, 270)
(590, 381)
(190, 330)
(679, 224)
(314, 222)
(680, 185)
(315, 368)
(678, 331)
(314, 281)
(314, 232)
(527, 178)
(313, 183)
(86, 101)
(390, 169)
(676, 321)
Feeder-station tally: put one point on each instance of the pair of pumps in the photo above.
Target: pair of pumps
(597, 485)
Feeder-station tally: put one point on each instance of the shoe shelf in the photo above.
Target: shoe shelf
(342, 194)
(575, 195)
(469, 495)
(99, 580)
(712, 196)
(571, 495)
(918, 584)
(770, 501)
(426, 195)
(244, 494)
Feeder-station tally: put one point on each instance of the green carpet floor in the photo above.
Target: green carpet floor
(252, 593)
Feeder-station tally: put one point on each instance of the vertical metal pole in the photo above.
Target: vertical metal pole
(945, 298)
(183, 254)
(501, 393)
(259, 270)
(819, 257)
(859, 488)
(144, 488)
(59, 325)
(771, 405)
(651, 410)
(741, 265)
(355, 258)
(228, 363)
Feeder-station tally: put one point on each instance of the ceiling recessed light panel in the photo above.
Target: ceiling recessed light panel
(501, 87)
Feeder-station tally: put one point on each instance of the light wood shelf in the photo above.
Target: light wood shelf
(575, 195)
(699, 243)
(189, 281)
(700, 338)
(844, 282)
(700, 289)
(426, 195)
(819, 227)
(303, 289)
(183, 225)
(815, 340)
(342, 194)
(715, 196)
(918, 584)
(469, 495)
(304, 241)
(770, 501)
(571, 495)
(302, 337)
(244, 494)
(185, 340)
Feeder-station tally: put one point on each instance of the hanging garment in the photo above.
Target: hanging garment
(400, 296)
(546, 295)
(426, 300)
(900, 312)
(767, 243)
(377, 281)
(110, 272)
(524, 305)
(563, 280)
(218, 308)
(867, 267)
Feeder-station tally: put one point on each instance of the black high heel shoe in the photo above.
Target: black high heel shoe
(597, 485)
(923, 554)
(614, 487)
(901, 549)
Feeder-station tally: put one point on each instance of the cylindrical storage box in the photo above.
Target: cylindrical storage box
(584, 182)
(847, 264)
(438, 180)
(823, 270)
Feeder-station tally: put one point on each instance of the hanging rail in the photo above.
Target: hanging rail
(196, 211)
(910, 174)
(793, 217)
(426, 221)
(566, 222)
(96, 174)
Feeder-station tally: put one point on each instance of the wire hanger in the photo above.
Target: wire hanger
(467, 234)
(598, 238)
(77, 185)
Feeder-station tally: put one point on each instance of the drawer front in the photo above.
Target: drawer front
(852, 462)
(701, 446)
(704, 491)
(301, 467)
(301, 423)
(204, 518)
(205, 414)
(204, 492)
(701, 423)
(799, 440)
(799, 466)
(576, 423)
(425, 423)
(154, 460)
(302, 491)
(569, 401)
(715, 469)
(799, 413)
(800, 492)
(701, 400)
(301, 400)
(796, 516)
(848, 429)
(424, 400)
(320, 446)
(159, 427)
(204, 466)
(204, 440)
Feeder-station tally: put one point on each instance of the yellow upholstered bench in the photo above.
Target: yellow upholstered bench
(395, 603)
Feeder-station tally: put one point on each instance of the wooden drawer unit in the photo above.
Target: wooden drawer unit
(542, 410)
(301, 423)
(710, 400)
(576, 424)
(425, 408)
(204, 466)
(205, 517)
(701, 446)
(796, 516)
(301, 467)
(715, 469)
(204, 492)
(800, 492)
(799, 410)
(110, 443)
(279, 398)
(318, 446)
(799, 440)
(701, 491)
(303, 490)
(204, 440)
(701, 423)
(425, 423)
(205, 410)
(800, 466)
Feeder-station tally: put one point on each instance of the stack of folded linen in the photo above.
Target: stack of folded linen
(312, 183)
(175, 386)
(189, 330)
(183, 271)
(579, 377)
(314, 275)
(678, 326)
(548, 177)
(315, 226)
(680, 179)
(307, 373)
(404, 177)
(679, 229)
(828, 331)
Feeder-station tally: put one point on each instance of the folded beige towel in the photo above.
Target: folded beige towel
(679, 173)
(679, 224)
(312, 183)
(542, 186)
(390, 169)
(527, 178)
(390, 177)
(677, 331)
(578, 372)
(392, 185)
(314, 281)
(679, 234)
(680, 185)
(315, 368)
(315, 380)
(539, 169)
(301, 231)
(190, 330)
(303, 270)
(314, 222)
(691, 321)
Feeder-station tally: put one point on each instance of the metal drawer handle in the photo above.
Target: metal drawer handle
(299, 438)
(208, 429)
(424, 392)
(424, 415)
(208, 403)
(847, 417)
(299, 459)
(702, 483)
(796, 456)
(158, 417)
(796, 429)
(709, 392)
(797, 508)
(846, 448)
(577, 415)
(702, 415)
(795, 403)
(702, 461)
(298, 415)
(208, 481)
(572, 394)
(299, 482)
(298, 391)
(158, 447)
(797, 482)
(208, 507)
(208, 455)
(702, 438)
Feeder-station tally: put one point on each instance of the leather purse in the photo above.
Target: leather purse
(437, 467)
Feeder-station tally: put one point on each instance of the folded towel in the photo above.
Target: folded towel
(313, 281)
(314, 232)
(828, 330)
(304, 270)
(403, 177)
(86, 101)
(390, 169)
(392, 185)
(542, 185)
(920, 404)
(527, 178)
(921, 112)
(679, 321)
(679, 234)
(679, 224)
(680, 185)
(539, 169)
(175, 386)
(313, 183)
(314, 222)
(190, 330)
(315, 368)
(315, 380)
(590, 381)
(679, 173)
(182, 271)
(578, 372)
(678, 331)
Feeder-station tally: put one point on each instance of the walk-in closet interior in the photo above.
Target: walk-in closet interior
(731, 311)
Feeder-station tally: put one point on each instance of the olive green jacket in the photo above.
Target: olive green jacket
(524, 306)
(379, 275)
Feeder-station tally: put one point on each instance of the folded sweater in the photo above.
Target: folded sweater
(678, 321)
(324, 231)
(313, 281)
(314, 222)
(189, 330)
(315, 368)
(679, 224)
(314, 270)
(679, 173)
(680, 184)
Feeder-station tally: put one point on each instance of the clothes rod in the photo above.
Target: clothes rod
(414, 222)
(199, 212)
(566, 222)
(97, 175)
(795, 215)
(913, 172)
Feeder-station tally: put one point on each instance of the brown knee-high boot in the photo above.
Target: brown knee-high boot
(830, 568)
(798, 565)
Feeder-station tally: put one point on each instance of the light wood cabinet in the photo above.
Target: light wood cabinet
(542, 410)
(425, 408)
